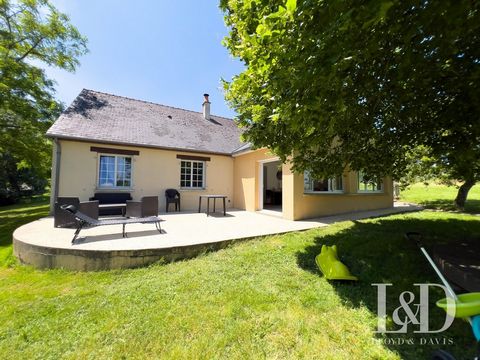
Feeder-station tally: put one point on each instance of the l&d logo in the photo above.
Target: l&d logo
(410, 314)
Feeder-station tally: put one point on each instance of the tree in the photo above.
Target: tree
(32, 32)
(363, 84)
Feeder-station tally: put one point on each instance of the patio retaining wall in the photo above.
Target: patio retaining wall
(94, 260)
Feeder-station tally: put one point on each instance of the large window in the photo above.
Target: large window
(115, 171)
(322, 185)
(192, 174)
(369, 184)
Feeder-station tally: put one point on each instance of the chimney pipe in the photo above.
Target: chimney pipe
(206, 107)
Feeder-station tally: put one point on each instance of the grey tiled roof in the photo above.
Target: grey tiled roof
(106, 118)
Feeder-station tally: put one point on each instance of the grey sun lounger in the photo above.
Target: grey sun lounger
(86, 221)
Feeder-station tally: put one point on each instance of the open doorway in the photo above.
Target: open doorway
(271, 186)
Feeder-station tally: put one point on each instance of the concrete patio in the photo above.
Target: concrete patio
(184, 235)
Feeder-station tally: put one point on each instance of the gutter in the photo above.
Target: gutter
(55, 173)
(147, 146)
(244, 152)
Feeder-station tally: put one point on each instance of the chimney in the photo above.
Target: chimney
(206, 107)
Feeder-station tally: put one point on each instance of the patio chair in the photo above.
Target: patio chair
(84, 220)
(147, 206)
(172, 196)
(65, 219)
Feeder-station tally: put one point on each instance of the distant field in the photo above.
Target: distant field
(440, 197)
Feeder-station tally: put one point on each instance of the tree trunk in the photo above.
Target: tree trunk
(463, 193)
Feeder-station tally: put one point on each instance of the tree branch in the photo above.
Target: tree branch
(9, 26)
(34, 46)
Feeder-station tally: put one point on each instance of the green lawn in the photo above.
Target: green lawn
(258, 299)
(435, 196)
(13, 216)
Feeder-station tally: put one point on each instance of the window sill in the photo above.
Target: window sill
(192, 189)
(324, 193)
(331, 193)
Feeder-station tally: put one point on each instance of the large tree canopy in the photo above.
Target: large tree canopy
(32, 32)
(361, 84)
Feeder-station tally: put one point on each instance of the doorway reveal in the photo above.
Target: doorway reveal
(271, 187)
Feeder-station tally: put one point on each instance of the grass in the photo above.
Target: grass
(14, 216)
(440, 197)
(258, 299)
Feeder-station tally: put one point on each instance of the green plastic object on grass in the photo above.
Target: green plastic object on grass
(466, 305)
(331, 267)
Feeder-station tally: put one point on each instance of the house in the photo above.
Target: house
(104, 142)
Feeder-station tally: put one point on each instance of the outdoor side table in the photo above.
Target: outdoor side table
(214, 197)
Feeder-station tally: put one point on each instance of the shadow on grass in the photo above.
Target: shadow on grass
(471, 206)
(13, 216)
(377, 252)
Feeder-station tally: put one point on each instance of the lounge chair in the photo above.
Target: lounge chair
(66, 219)
(86, 221)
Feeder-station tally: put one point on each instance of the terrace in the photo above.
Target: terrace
(184, 235)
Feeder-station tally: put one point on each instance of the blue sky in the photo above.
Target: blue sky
(167, 52)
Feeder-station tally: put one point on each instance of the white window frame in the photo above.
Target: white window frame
(100, 186)
(204, 166)
(379, 183)
(330, 190)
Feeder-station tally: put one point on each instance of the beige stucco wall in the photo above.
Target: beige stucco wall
(308, 205)
(297, 204)
(246, 179)
(153, 171)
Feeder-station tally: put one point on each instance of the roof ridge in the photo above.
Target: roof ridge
(150, 102)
